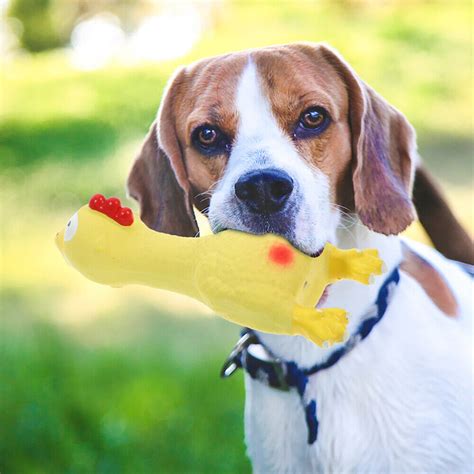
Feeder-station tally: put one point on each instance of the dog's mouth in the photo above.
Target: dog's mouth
(286, 235)
(284, 232)
(324, 297)
(317, 253)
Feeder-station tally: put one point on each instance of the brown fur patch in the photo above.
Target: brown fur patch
(163, 202)
(368, 149)
(207, 96)
(434, 285)
(384, 149)
(202, 93)
(313, 83)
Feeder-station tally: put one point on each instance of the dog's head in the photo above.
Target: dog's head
(283, 139)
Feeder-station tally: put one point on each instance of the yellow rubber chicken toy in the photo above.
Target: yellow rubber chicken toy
(261, 282)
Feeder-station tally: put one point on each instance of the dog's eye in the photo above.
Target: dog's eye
(207, 136)
(210, 140)
(312, 121)
(312, 118)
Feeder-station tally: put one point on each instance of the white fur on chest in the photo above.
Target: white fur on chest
(401, 401)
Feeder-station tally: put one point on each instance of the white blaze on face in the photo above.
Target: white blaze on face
(260, 143)
(71, 228)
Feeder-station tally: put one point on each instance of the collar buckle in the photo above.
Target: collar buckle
(232, 363)
(250, 352)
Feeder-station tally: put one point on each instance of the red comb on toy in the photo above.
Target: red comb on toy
(112, 208)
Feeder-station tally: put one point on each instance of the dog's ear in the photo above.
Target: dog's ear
(158, 178)
(384, 155)
(442, 226)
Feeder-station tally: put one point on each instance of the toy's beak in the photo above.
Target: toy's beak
(60, 241)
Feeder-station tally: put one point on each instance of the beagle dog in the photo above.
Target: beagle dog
(289, 140)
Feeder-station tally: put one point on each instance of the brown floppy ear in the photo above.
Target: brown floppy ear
(444, 230)
(384, 154)
(158, 178)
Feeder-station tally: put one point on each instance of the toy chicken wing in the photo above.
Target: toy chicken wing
(261, 282)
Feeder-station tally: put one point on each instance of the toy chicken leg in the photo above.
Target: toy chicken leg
(261, 282)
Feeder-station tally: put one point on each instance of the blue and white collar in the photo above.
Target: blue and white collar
(258, 361)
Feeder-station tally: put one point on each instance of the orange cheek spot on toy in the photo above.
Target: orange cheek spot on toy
(281, 255)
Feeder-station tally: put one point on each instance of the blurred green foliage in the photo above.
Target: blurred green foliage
(54, 112)
(48, 24)
(102, 380)
(39, 31)
(142, 403)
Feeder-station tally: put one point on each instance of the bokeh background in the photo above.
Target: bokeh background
(94, 379)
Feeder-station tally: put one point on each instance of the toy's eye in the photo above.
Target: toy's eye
(71, 228)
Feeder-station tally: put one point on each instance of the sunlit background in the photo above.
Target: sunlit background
(94, 379)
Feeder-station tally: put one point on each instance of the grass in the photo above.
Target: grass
(100, 380)
(118, 404)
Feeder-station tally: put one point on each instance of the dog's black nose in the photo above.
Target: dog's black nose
(265, 191)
